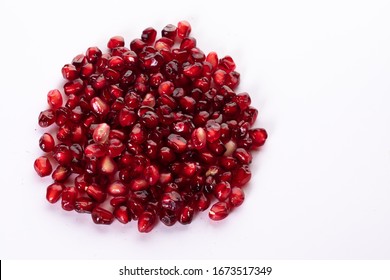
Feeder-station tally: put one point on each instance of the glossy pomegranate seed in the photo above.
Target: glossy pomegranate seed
(116, 41)
(102, 216)
(84, 205)
(149, 35)
(219, 211)
(222, 190)
(183, 29)
(42, 166)
(258, 136)
(46, 142)
(69, 72)
(146, 221)
(46, 118)
(68, 200)
(54, 99)
(122, 214)
(152, 131)
(236, 197)
(101, 133)
(53, 192)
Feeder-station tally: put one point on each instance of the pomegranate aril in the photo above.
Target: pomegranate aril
(69, 72)
(168, 218)
(177, 143)
(243, 156)
(68, 198)
(46, 143)
(54, 98)
(93, 54)
(46, 118)
(42, 166)
(149, 35)
(54, 191)
(101, 133)
(222, 190)
(84, 204)
(74, 87)
(241, 176)
(122, 214)
(169, 31)
(102, 216)
(61, 173)
(146, 222)
(236, 197)
(258, 136)
(172, 201)
(219, 211)
(117, 188)
(96, 192)
(183, 29)
(186, 215)
(116, 41)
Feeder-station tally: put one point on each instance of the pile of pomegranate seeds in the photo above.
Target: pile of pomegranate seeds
(147, 133)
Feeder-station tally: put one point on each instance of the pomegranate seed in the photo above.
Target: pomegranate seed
(149, 35)
(53, 192)
(183, 29)
(177, 143)
(146, 222)
(241, 176)
(96, 192)
(46, 143)
(101, 133)
(42, 166)
(68, 201)
(116, 41)
(54, 99)
(46, 118)
(258, 136)
(61, 173)
(153, 130)
(219, 211)
(186, 215)
(122, 214)
(69, 72)
(237, 197)
(102, 216)
(169, 31)
(117, 189)
(222, 190)
(84, 205)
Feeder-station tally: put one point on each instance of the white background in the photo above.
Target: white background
(319, 73)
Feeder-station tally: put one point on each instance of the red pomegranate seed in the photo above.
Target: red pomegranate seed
(177, 143)
(237, 197)
(122, 214)
(219, 211)
(258, 136)
(241, 176)
(102, 216)
(53, 192)
(183, 29)
(42, 166)
(96, 192)
(69, 72)
(152, 130)
(186, 215)
(116, 41)
(46, 143)
(146, 221)
(117, 189)
(101, 133)
(46, 118)
(149, 35)
(222, 190)
(61, 173)
(169, 31)
(69, 195)
(84, 205)
(54, 99)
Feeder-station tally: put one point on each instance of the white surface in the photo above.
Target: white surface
(318, 72)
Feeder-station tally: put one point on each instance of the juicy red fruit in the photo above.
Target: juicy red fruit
(149, 130)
